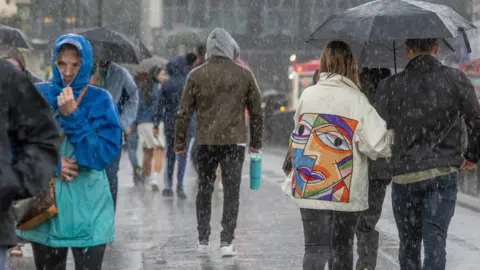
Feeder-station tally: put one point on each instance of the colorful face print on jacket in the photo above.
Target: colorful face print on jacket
(322, 157)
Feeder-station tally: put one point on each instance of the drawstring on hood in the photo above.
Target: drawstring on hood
(221, 43)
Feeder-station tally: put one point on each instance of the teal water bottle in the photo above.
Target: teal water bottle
(255, 170)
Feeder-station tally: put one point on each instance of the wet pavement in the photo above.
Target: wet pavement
(153, 232)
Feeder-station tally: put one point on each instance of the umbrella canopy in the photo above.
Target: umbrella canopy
(143, 50)
(146, 64)
(376, 28)
(13, 37)
(110, 45)
(185, 35)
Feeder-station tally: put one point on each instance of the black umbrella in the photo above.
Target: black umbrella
(113, 46)
(13, 37)
(143, 50)
(381, 24)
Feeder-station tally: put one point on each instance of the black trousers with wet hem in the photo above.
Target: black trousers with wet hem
(368, 237)
(329, 237)
(230, 158)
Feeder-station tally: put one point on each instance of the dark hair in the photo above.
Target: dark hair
(425, 45)
(316, 76)
(154, 71)
(370, 79)
(201, 50)
(338, 58)
(67, 47)
(191, 58)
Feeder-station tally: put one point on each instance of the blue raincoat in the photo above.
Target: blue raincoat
(85, 206)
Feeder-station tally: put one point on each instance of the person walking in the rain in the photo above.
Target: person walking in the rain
(170, 93)
(118, 81)
(425, 105)
(218, 92)
(88, 120)
(336, 130)
(146, 82)
(30, 128)
(15, 56)
(379, 177)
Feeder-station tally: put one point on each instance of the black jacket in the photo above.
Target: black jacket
(370, 78)
(426, 105)
(27, 125)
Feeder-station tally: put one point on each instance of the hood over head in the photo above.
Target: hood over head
(177, 66)
(221, 43)
(7, 52)
(84, 72)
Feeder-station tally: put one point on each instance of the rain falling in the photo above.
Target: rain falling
(240, 134)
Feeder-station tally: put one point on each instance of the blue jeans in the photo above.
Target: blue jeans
(112, 175)
(171, 157)
(132, 145)
(423, 211)
(3, 258)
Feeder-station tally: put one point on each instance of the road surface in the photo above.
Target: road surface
(153, 232)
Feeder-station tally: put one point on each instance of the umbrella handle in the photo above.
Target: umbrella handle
(465, 39)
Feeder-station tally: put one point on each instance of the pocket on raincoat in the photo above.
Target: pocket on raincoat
(74, 219)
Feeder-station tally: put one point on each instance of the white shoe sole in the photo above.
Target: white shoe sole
(228, 252)
(203, 249)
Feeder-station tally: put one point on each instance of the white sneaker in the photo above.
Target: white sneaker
(155, 186)
(228, 250)
(203, 247)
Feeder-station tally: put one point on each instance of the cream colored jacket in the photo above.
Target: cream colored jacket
(336, 130)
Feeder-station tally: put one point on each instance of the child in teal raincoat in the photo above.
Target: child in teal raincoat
(85, 220)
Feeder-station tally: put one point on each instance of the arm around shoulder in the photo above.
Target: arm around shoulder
(372, 137)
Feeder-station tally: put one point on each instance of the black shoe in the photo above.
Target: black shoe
(167, 193)
(181, 194)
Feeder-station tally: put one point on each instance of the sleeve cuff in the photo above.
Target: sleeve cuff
(70, 118)
(470, 157)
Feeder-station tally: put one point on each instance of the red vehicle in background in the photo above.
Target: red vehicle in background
(472, 69)
(301, 77)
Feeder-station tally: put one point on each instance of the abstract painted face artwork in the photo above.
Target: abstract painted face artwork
(322, 157)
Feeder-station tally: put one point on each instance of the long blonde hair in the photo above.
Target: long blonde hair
(338, 58)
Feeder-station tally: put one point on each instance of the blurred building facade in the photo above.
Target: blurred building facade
(268, 31)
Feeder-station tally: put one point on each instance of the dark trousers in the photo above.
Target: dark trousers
(194, 156)
(48, 258)
(230, 158)
(423, 211)
(171, 158)
(367, 236)
(329, 237)
(112, 175)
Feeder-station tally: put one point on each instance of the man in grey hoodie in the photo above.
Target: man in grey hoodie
(118, 81)
(218, 92)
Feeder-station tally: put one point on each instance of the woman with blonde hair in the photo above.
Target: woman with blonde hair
(336, 129)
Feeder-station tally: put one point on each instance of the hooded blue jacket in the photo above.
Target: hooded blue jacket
(171, 92)
(85, 206)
